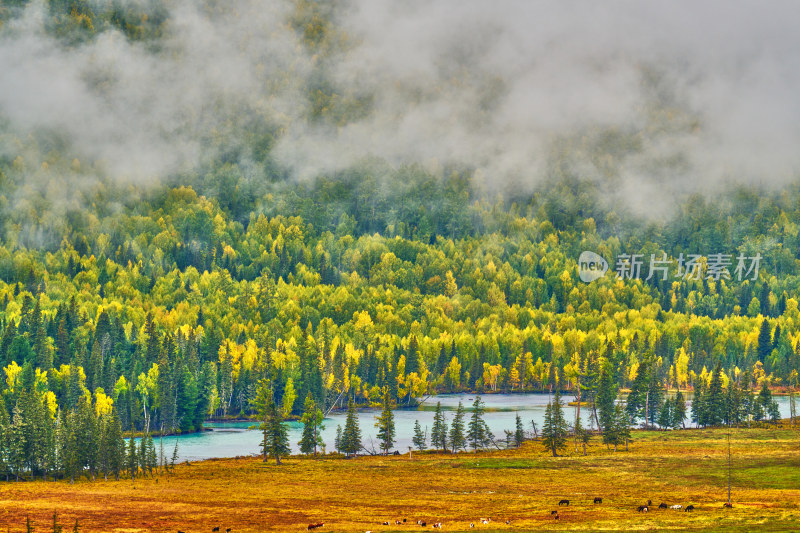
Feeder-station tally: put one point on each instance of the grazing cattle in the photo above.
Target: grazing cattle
(556, 517)
(386, 523)
(677, 507)
(689, 508)
(563, 502)
(553, 512)
(484, 521)
(643, 509)
(437, 525)
(424, 524)
(315, 526)
(215, 528)
(471, 524)
(598, 500)
(649, 503)
(662, 505)
(728, 505)
(508, 522)
(229, 530)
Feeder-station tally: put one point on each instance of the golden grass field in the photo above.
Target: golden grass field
(523, 486)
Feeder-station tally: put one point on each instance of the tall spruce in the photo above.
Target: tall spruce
(555, 429)
(385, 425)
(478, 433)
(439, 429)
(457, 439)
(312, 426)
(351, 435)
(419, 439)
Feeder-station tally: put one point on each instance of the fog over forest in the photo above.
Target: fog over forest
(651, 100)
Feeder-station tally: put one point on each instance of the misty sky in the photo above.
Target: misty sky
(704, 92)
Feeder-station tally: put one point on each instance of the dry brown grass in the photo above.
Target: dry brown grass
(522, 486)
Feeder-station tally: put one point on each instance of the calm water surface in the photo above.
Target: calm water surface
(232, 439)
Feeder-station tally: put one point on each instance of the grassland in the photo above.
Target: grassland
(522, 486)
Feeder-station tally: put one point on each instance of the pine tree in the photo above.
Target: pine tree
(419, 437)
(698, 404)
(764, 340)
(5, 428)
(607, 391)
(622, 429)
(519, 434)
(151, 458)
(263, 404)
(439, 429)
(174, 457)
(132, 458)
(478, 433)
(665, 414)
(116, 444)
(312, 426)
(277, 434)
(554, 429)
(679, 411)
(457, 440)
(385, 425)
(715, 399)
(56, 526)
(337, 443)
(351, 435)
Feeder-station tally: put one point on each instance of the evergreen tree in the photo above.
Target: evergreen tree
(174, 458)
(351, 435)
(419, 437)
(263, 404)
(5, 428)
(699, 415)
(116, 445)
(679, 411)
(277, 434)
(622, 426)
(337, 443)
(665, 414)
(457, 440)
(478, 433)
(385, 425)
(764, 340)
(151, 458)
(439, 429)
(312, 426)
(714, 403)
(519, 434)
(133, 459)
(554, 429)
(607, 390)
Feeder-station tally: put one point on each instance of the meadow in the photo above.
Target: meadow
(522, 486)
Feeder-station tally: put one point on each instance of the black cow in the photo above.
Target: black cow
(598, 500)
(662, 505)
(643, 509)
(689, 508)
(563, 502)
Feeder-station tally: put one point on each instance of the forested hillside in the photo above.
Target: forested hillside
(166, 299)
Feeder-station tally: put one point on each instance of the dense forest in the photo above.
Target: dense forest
(160, 304)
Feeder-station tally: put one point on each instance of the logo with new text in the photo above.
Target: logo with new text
(591, 266)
